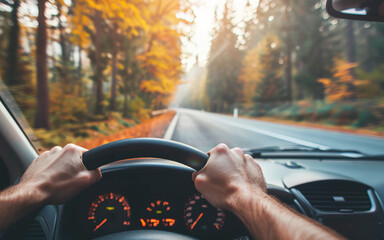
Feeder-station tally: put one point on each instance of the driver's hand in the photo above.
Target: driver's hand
(228, 173)
(59, 174)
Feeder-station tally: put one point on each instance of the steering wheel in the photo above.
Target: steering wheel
(145, 147)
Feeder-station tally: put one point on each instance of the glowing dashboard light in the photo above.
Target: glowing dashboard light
(198, 218)
(100, 224)
(143, 223)
(169, 222)
(109, 211)
(152, 222)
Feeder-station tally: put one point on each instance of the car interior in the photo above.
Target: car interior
(147, 192)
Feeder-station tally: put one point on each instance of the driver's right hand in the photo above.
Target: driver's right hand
(228, 174)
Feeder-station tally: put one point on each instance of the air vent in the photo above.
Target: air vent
(337, 196)
(35, 232)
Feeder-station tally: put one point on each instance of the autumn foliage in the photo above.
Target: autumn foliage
(91, 62)
(155, 127)
(342, 85)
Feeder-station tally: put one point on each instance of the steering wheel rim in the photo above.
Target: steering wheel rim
(144, 147)
(146, 235)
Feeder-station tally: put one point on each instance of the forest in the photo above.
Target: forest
(80, 69)
(69, 63)
(291, 60)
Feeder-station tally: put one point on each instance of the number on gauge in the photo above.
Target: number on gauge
(200, 216)
(109, 212)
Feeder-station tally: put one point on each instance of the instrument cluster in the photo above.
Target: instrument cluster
(156, 198)
(111, 212)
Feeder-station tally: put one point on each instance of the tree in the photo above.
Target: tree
(314, 47)
(161, 59)
(12, 76)
(222, 90)
(262, 75)
(42, 106)
(92, 20)
(342, 86)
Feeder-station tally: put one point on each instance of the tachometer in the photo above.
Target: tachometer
(200, 216)
(109, 212)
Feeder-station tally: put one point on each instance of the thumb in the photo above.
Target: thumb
(95, 175)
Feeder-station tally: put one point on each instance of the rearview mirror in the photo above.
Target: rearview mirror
(365, 10)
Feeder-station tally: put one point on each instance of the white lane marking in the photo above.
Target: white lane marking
(171, 129)
(276, 135)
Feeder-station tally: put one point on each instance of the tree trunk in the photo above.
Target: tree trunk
(351, 46)
(42, 106)
(63, 44)
(80, 73)
(11, 76)
(98, 66)
(288, 72)
(288, 54)
(114, 69)
(127, 63)
(351, 55)
(125, 105)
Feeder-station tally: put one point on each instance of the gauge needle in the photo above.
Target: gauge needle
(198, 218)
(100, 224)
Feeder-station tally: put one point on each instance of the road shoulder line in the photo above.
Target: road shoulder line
(276, 135)
(172, 126)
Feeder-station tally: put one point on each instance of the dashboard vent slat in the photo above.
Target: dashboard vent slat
(34, 232)
(337, 197)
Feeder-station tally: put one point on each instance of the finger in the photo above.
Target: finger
(249, 157)
(194, 175)
(71, 147)
(220, 148)
(83, 150)
(44, 153)
(95, 175)
(197, 173)
(238, 151)
(210, 151)
(55, 149)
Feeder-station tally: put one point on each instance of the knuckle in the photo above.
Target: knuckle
(238, 151)
(44, 154)
(57, 148)
(70, 147)
(199, 181)
(222, 148)
(249, 157)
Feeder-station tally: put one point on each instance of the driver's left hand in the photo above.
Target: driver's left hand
(60, 174)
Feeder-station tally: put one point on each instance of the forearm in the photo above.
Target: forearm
(17, 201)
(266, 218)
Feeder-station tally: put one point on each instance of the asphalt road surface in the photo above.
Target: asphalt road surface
(205, 130)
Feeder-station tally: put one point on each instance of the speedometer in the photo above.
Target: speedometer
(109, 212)
(200, 216)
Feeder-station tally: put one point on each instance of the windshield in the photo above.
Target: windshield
(250, 74)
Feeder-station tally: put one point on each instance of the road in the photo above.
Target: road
(205, 130)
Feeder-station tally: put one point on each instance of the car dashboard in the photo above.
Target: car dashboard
(146, 195)
(156, 194)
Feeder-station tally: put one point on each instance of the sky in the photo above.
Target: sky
(203, 27)
(201, 39)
